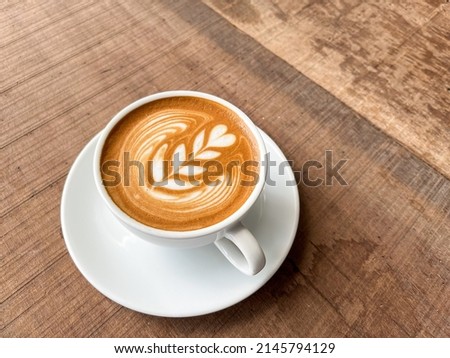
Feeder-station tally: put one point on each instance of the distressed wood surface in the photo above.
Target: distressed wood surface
(387, 60)
(370, 259)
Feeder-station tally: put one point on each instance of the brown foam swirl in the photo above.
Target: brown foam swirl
(186, 147)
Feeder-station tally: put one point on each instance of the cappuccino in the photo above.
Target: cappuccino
(180, 163)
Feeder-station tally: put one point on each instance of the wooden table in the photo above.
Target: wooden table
(368, 80)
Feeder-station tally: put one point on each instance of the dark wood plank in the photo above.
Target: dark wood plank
(370, 258)
(24, 18)
(387, 60)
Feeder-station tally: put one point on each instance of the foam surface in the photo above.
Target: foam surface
(181, 144)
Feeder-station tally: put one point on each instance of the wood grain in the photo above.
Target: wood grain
(387, 60)
(370, 259)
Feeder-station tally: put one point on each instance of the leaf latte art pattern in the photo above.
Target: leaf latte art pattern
(182, 167)
(180, 163)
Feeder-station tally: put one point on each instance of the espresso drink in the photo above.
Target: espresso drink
(180, 163)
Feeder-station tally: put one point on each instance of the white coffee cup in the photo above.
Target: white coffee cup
(230, 236)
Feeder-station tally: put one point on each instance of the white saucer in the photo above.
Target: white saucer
(165, 281)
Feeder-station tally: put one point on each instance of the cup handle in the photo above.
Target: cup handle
(240, 247)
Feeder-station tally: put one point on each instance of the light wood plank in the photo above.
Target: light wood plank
(387, 60)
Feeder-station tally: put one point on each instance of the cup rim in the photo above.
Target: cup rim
(170, 234)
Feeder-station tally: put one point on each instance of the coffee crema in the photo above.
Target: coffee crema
(180, 163)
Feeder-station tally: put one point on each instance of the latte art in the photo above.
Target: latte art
(181, 163)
